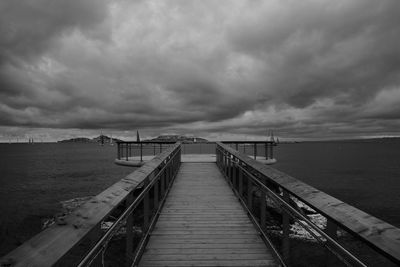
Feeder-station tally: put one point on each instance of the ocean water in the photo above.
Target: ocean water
(35, 178)
(364, 174)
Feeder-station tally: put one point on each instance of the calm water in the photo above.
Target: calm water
(35, 178)
(363, 174)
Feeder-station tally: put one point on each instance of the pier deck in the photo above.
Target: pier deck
(203, 224)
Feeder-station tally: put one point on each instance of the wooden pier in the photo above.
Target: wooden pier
(219, 209)
(203, 224)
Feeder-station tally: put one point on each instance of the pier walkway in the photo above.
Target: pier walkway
(203, 224)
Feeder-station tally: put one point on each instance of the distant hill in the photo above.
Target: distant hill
(99, 139)
(176, 138)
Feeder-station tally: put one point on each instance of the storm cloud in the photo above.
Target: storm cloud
(220, 69)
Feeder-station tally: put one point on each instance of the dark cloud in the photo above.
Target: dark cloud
(304, 68)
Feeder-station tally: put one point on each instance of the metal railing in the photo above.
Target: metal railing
(263, 190)
(77, 238)
(133, 150)
(126, 150)
(254, 148)
(159, 185)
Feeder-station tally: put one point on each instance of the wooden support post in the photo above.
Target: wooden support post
(249, 194)
(331, 230)
(230, 168)
(263, 209)
(126, 152)
(240, 182)
(156, 193)
(129, 233)
(255, 150)
(163, 175)
(146, 212)
(237, 147)
(286, 231)
(224, 162)
(234, 176)
(160, 148)
(168, 177)
(244, 148)
(154, 149)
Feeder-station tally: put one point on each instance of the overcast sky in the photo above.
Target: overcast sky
(217, 69)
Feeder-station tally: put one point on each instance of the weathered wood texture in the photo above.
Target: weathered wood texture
(50, 245)
(381, 235)
(203, 224)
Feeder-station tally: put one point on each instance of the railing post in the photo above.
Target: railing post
(129, 233)
(163, 175)
(156, 193)
(234, 177)
(240, 182)
(263, 208)
(160, 147)
(286, 231)
(249, 194)
(237, 147)
(154, 149)
(146, 212)
(229, 168)
(255, 151)
(126, 152)
(331, 230)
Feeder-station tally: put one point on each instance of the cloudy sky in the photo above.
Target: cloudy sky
(309, 69)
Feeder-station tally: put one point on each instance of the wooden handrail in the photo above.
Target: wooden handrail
(50, 246)
(381, 236)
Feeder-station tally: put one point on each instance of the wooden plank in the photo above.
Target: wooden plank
(206, 250)
(203, 224)
(162, 245)
(212, 263)
(243, 241)
(195, 257)
(379, 234)
(50, 245)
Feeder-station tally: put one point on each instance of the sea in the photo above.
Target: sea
(36, 178)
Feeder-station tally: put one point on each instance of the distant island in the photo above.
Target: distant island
(178, 138)
(162, 138)
(99, 139)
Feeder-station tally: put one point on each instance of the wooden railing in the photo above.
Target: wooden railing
(61, 243)
(252, 180)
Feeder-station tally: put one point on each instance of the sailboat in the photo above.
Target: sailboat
(272, 138)
(137, 137)
(111, 141)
